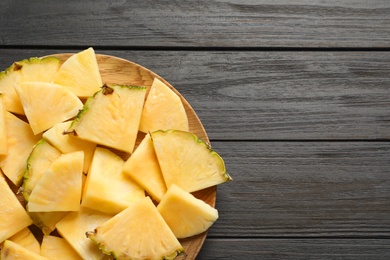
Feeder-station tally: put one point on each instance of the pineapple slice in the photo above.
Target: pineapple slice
(73, 227)
(33, 69)
(111, 117)
(68, 144)
(107, 189)
(56, 103)
(3, 127)
(13, 217)
(13, 251)
(57, 248)
(186, 215)
(163, 110)
(187, 161)
(46, 221)
(26, 239)
(138, 232)
(64, 179)
(80, 74)
(20, 140)
(143, 167)
(41, 157)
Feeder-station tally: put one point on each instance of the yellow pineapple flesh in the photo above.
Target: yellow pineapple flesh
(26, 239)
(107, 189)
(55, 248)
(3, 127)
(186, 215)
(13, 251)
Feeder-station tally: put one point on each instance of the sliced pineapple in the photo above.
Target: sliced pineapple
(13, 217)
(111, 117)
(138, 232)
(68, 144)
(13, 251)
(20, 141)
(163, 110)
(33, 69)
(55, 248)
(80, 74)
(143, 167)
(55, 102)
(41, 157)
(107, 189)
(74, 226)
(26, 239)
(3, 127)
(187, 161)
(186, 215)
(46, 221)
(60, 187)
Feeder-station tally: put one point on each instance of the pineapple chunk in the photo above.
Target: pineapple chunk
(107, 189)
(138, 232)
(41, 157)
(26, 239)
(60, 187)
(3, 127)
(68, 144)
(80, 74)
(20, 140)
(46, 221)
(13, 217)
(143, 167)
(186, 215)
(187, 161)
(33, 69)
(163, 110)
(111, 117)
(73, 228)
(13, 251)
(55, 248)
(56, 103)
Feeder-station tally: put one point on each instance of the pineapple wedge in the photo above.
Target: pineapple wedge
(80, 74)
(13, 217)
(64, 179)
(26, 239)
(138, 232)
(55, 102)
(33, 69)
(143, 167)
(68, 144)
(3, 127)
(13, 251)
(20, 141)
(55, 248)
(187, 161)
(73, 227)
(46, 221)
(107, 189)
(111, 117)
(163, 110)
(41, 157)
(186, 215)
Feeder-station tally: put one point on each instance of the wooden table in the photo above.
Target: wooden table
(294, 96)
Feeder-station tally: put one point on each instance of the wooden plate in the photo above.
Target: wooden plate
(121, 71)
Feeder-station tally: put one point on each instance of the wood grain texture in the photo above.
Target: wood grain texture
(223, 23)
(273, 95)
(346, 249)
(304, 189)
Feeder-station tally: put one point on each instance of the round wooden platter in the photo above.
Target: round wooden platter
(116, 70)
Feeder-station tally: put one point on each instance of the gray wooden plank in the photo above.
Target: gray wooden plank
(284, 95)
(295, 249)
(223, 23)
(304, 189)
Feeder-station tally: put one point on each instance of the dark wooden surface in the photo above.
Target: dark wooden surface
(294, 96)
